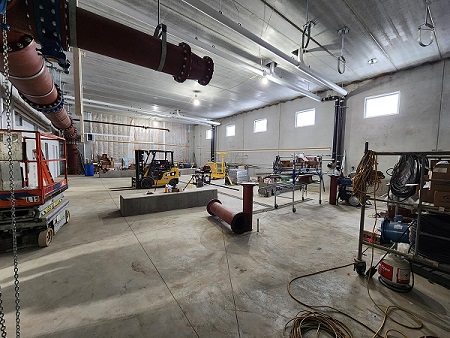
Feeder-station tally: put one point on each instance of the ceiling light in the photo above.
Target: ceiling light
(264, 80)
(372, 61)
(196, 101)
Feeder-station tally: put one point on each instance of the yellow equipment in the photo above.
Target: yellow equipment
(218, 169)
(152, 172)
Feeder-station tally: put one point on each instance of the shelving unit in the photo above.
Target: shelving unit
(431, 268)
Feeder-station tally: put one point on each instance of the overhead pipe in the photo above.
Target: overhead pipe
(121, 124)
(118, 107)
(80, 28)
(58, 24)
(34, 82)
(103, 36)
(261, 70)
(218, 16)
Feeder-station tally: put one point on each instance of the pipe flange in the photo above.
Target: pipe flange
(209, 70)
(51, 25)
(23, 42)
(47, 109)
(187, 61)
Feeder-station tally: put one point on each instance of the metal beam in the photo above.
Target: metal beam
(199, 5)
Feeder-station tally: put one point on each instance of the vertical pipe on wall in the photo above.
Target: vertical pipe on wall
(213, 143)
(440, 106)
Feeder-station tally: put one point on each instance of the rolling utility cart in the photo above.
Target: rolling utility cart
(291, 174)
(39, 172)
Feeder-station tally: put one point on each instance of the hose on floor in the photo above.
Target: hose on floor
(367, 175)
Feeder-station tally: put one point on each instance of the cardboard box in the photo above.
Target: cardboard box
(428, 196)
(442, 199)
(441, 172)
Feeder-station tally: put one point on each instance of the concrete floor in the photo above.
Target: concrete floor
(184, 274)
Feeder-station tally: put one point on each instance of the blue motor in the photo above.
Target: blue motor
(395, 231)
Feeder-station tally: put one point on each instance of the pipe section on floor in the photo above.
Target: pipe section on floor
(238, 221)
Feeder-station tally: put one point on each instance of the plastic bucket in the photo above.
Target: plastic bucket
(89, 169)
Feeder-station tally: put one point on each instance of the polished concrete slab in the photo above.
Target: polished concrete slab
(182, 273)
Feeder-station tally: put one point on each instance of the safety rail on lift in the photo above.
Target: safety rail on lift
(39, 168)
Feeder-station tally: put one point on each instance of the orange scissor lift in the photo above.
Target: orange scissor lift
(39, 170)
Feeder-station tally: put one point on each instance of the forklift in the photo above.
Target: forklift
(153, 172)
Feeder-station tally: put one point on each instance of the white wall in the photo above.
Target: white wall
(415, 128)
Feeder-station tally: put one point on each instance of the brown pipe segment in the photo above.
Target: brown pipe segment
(72, 158)
(29, 74)
(106, 37)
(332, 199)
(247, 200)
(237, 220)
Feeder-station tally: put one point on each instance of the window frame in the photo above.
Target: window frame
(234, 130)
(208, 131)
(381, 96)
(304, 112)
(254, 125)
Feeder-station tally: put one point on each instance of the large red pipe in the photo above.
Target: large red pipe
(247, 200)
(32, 79)
(103, 36)
(93, 33)
(237, 220)
(107, 37)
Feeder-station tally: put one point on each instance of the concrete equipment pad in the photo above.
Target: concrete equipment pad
(140, 204)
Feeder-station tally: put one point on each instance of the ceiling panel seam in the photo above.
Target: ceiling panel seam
(361, 21)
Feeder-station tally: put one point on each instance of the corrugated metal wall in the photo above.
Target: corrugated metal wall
(121, 141)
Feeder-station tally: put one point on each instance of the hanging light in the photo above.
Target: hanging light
(196, 101)
(264, 80)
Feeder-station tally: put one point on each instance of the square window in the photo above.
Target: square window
(209, 134)
(305, 118)
(380, 105)
(18, 120)
(230, 131)
(260, 126)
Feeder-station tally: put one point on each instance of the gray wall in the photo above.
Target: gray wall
(415, 128)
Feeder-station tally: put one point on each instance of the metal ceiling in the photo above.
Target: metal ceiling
(381, 29)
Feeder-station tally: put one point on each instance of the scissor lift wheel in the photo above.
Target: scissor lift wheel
(45, 237)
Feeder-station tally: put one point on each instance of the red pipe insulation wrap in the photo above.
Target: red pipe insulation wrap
(238, 221)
